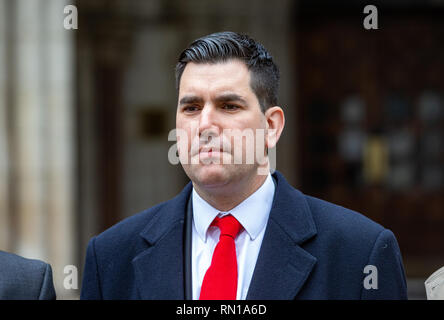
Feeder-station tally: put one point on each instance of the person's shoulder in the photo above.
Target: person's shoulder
(127, 228)
(20, 277)
(20, 266)
(331, 221)
(329, 218)
(24, 278)
(135, 223)
(138, 221)
(335, 219)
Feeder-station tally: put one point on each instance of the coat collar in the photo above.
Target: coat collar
(159, 269)
(282, 266)
(291, 211)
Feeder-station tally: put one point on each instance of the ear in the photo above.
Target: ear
(275, 124)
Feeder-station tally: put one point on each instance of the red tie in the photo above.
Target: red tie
(220, 281)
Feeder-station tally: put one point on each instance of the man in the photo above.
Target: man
(236, 231)
(25, 279)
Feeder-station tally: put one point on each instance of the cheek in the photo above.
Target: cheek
(186, 131)
(182, 137)
(182, 143)
(184, 146)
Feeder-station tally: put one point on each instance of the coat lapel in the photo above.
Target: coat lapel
(159, 269)
(283, 265)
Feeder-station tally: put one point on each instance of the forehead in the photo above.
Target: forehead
(232, 75)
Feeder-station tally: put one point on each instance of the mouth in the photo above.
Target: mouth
(209, 151)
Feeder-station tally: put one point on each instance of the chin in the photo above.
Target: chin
(211, 175)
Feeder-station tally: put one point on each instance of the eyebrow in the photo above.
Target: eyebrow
(233, 97)
(190, 100)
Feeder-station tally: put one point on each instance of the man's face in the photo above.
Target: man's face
(216, 101)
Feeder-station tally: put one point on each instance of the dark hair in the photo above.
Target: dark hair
(223, 46)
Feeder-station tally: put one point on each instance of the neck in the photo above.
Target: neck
(226, 198)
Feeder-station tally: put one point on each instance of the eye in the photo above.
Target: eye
(191, 108)
(230, 107)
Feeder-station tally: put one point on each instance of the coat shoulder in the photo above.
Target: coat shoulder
(23, 278)
(126, 231)
(20, 266)
(129, 228)
(339, 221)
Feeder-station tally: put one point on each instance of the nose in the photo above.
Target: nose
(208, 121)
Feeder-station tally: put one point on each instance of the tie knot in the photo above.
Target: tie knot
(228, 225)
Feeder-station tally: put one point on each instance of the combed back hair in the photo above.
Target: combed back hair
(224, 46)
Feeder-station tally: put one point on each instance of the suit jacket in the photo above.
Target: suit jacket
(311, 249)
(25, 279)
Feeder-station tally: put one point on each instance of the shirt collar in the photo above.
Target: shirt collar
(252, 213)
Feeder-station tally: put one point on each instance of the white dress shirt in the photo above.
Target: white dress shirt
(252, 214)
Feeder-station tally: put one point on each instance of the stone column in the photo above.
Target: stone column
(58, 60)
(29, 132)
(42, 160)
(4, 154)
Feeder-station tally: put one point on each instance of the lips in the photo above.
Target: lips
(208, 149)
(209, 152)
(211, 147)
